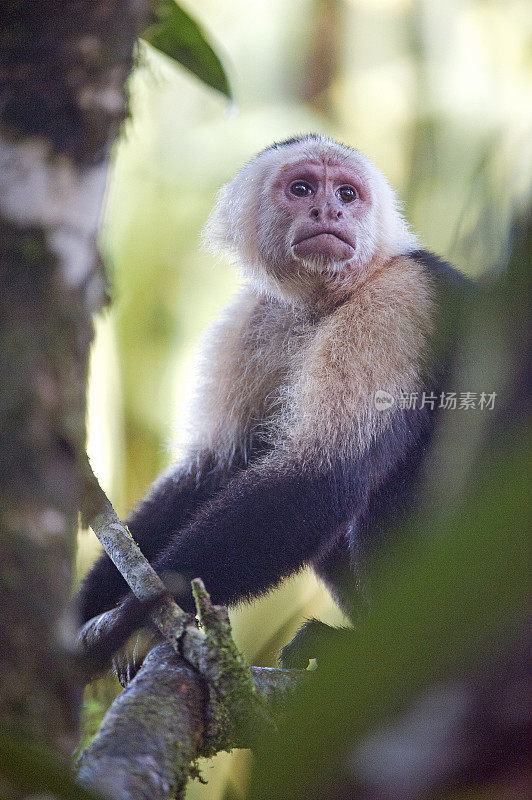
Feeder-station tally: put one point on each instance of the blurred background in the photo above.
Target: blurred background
(436, 92)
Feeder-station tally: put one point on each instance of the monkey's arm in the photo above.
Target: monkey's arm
(265, 524)
(168, 506)
(176, 496)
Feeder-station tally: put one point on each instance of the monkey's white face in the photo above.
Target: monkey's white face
(323, 203)
(306, 210)
(318, 217)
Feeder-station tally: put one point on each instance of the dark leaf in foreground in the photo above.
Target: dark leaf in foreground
(180, 37)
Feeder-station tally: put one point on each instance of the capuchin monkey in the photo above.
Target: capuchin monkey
(304, 451)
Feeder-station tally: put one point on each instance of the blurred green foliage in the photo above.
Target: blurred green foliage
(436, 93)
(36, 771)
(438, 606)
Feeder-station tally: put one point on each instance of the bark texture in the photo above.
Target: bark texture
(63, 67)
(150, 738)
(194, 695)
(151, 733)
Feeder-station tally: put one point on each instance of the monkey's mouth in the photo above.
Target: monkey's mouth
(323, 246)
(318, 234)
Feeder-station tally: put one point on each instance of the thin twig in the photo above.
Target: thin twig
(127, 557)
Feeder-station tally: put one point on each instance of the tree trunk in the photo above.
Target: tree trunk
(63, 66)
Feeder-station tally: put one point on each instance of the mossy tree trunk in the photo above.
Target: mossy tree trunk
(63, 66)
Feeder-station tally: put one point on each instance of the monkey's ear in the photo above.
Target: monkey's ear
(217, 234)
(234, 220)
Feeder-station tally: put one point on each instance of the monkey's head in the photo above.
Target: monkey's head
(307, 212)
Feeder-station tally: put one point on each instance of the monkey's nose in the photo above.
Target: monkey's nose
(316, 212)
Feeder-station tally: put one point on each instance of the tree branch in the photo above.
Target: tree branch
(150, 737)
(127, 557)
(194, 695)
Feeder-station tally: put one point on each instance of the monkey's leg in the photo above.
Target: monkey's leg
(338, 573)
(313, 638)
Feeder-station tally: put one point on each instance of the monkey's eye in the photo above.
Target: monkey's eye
(301, 189)
(347, 194)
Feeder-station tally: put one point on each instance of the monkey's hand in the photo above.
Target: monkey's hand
(311, 640)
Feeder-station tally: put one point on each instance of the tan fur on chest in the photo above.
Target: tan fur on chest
(250, 357)
(376, 340)
(310, 378)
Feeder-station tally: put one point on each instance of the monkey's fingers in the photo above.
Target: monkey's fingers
(104, 636)
(128, 659)
(312, 639)
(297, 653)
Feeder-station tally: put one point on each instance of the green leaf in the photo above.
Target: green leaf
(449, 591)
(32, 768)
(180, 37)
